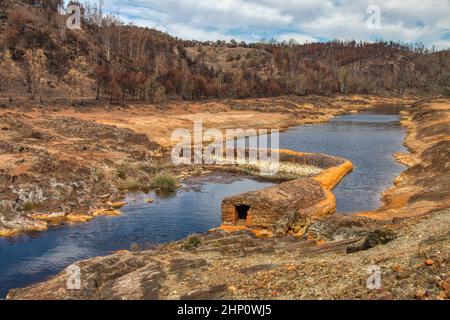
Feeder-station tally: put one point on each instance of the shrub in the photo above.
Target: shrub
(446, 92)
(132, 184)
(165, 181)
(149, 167)
(122, 170)
(154, 166)
(192, 242)
(96, 174)
(29, 206)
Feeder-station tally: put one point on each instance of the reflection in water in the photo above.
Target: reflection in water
(165, 194)
(368, 140)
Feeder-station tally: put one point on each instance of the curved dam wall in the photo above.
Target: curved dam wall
(277, 210)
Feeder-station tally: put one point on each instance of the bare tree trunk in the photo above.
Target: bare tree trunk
(98, 90)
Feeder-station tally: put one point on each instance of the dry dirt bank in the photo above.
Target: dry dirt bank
(264, 113)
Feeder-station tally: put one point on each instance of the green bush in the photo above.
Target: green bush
(29, 206)
(123, 170)
(192, 242)
(165, 181)
(132, 184)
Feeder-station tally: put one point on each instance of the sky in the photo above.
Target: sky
(426, 21)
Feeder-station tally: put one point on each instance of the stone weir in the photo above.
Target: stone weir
(289, 207)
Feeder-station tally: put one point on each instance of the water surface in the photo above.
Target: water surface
(367, 139)
(31, 258)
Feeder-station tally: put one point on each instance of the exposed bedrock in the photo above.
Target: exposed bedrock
(240, 265)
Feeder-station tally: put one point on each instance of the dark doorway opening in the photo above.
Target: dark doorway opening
(242, 213)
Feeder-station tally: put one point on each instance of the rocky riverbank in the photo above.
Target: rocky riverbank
(58, 169)
(411, 254)
(408, 239)
(424, 185)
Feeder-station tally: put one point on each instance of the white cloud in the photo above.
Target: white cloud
(188, 32)
(306, 20)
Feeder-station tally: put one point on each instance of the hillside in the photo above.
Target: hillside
(126, 62)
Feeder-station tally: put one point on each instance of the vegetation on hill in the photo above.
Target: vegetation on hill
(107, 59)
